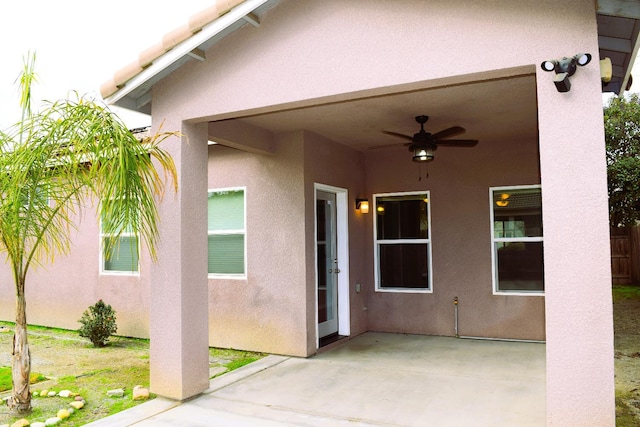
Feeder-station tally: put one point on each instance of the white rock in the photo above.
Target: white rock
(38, 424)
(118, 392)
(64, 393)
(53, 421)
(51, 394)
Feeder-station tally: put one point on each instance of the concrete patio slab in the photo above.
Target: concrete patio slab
(376, 379)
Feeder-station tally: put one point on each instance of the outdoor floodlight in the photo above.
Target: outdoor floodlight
(564, 68)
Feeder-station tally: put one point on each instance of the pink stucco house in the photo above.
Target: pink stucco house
(289, 111)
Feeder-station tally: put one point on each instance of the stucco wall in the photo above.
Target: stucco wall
(329, 163)
(308, 53)
(58, 293)
(458, 181)
(267, 311)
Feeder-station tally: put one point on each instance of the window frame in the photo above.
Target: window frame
(494, 240)
(232, 276)
(105, 272)
(377, 242)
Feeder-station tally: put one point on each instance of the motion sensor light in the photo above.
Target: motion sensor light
(564, 68)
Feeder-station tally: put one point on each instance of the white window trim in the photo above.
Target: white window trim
(428, 241)
(242, 276)
(494, 240)
(104, 272)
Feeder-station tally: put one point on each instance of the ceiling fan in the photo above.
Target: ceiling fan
(423, 144)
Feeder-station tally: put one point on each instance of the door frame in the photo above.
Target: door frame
(342, 232)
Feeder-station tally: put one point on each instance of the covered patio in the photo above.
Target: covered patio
(373, 379)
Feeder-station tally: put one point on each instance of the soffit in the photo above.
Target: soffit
(618, 30)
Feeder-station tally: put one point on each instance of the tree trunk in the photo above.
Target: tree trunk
(20, 400)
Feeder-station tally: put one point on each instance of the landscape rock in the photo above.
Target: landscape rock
(62, 414)
(38, 424)
(79, 398)
(77, 404)
(21, 423)
(52, 394)
(43, 392)
(53, 421)
(118, 392)
(70, 411)
(140, 393)
(64, 393)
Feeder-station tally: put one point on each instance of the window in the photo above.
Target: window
(402, 242)
(517, 252)
(226, 219)
(119, 255)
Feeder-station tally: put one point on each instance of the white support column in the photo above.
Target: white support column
(579, 319)
(179, 306)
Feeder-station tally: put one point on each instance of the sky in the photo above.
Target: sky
(79, 44)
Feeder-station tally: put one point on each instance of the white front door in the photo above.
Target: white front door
(327, 263)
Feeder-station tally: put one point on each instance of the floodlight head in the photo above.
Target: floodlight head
(548, 65)
(564, 68)
(583, 59)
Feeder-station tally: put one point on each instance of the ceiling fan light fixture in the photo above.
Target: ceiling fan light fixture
(423, 154)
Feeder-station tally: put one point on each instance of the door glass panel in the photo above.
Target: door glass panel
(327, 266)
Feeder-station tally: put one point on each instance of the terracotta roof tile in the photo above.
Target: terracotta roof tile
(199, 20)
(149, 55)
(125, 74)
(169, 41)
(107, 88)
(177, 36)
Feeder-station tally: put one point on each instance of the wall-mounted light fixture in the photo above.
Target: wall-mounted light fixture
(564, 68)
(362, 205)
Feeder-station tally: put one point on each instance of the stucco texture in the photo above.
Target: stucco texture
(311, 53)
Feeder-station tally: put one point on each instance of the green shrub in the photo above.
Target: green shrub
(98, 323)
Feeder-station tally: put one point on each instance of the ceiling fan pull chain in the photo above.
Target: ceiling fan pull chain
(426, 168)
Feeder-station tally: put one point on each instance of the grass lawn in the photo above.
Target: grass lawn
(61, 360)
(626, 312)
(5, 378)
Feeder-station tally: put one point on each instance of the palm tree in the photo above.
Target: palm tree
(53, 164)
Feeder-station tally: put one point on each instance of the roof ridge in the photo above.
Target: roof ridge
(170, 40)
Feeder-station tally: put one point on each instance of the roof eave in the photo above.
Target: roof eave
(181, 52)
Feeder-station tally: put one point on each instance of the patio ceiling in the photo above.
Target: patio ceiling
(618, 30)
(503, 109)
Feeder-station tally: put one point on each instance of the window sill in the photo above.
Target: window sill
(405, 290)
(120, 273)
(519, 293)
(227, 277)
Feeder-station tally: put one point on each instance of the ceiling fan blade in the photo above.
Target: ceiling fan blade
(377, 147)
(399, 135)
(449, 132)
(457, 142)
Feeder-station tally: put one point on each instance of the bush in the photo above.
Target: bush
(98, 323)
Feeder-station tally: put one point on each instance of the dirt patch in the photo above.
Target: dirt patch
(626, 318)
